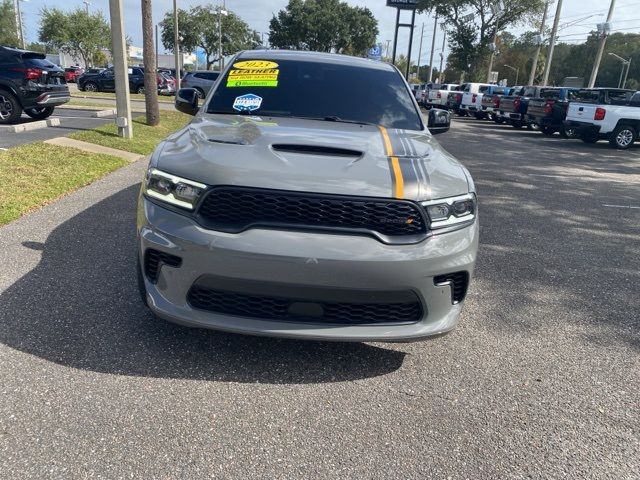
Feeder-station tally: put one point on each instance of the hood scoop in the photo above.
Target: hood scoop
(316, 150)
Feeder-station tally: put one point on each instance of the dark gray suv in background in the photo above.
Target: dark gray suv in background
(200, 80)
(333, 216)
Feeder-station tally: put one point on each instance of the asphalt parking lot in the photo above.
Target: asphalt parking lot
(540, 380)
(71, 121)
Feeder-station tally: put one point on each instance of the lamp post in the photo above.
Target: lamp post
(20, 28)
(625, 64)
(515, 69)
(176, 44)
(498, 8)
(221, 11)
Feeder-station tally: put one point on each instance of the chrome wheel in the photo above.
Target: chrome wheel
(6, 108)
(91, 87)
(624, 137)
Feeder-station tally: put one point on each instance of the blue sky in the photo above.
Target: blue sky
(257, 14)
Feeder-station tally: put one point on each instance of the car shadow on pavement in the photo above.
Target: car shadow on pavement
(80, 307)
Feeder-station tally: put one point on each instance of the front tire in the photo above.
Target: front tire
(623, 137)
(10, 108)
(39, 113)
(140, 90)
(200, 93)
(548, 131)
(517, 125)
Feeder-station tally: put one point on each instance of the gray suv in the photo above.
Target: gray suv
(333, 216)
(200, 80)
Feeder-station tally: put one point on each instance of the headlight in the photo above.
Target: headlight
(448, 214)
(171, 189)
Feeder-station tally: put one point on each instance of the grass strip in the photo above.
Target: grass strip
(145, 138)
(38, 173)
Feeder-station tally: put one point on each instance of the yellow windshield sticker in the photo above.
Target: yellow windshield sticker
(255, 64)
(262, 75)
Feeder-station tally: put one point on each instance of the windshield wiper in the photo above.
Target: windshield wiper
(336, 119)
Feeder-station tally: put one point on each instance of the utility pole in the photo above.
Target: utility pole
(387, 50)
(444, 40)
(499, 7)
(420, 52)
(86, 6)
(20, 29)
(123, 103)
(603, 41)
(221, 11)
(433, 47)
(534, 66)
(552, 44)
(176, 44)
(150, 74)
(624, 81)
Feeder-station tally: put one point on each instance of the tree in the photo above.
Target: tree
(470, 40)
(77, 33)
(325, 26)
(150, 73)
(198, 27)
(8, 28)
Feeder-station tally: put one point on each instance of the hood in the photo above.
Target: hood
(312, 156)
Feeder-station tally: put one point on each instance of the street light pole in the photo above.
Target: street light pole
(20, 29)
(221, 11)
(534, 66)
(433, 47)
(624, 81)
(123, 104)
(552, 43)
(176, 44)
(444, 41)
(515, 69)
(420, 52)
(603, 41)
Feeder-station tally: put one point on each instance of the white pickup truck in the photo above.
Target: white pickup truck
(437, 95)
(472, 97)
(606, 113)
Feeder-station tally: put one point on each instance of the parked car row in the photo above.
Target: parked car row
(590, 114)
(104, 81)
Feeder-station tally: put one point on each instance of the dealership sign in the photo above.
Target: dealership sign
(407, 4)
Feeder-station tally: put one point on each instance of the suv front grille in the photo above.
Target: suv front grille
(235, 209)
(288, 309)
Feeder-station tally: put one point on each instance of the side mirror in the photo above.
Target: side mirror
(187, 101)
(439, 121)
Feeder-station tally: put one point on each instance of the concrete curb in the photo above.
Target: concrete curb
(26, 127)
(87, 97)
(104, 113)
(93, 148)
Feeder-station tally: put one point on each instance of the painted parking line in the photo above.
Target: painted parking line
(621, 206)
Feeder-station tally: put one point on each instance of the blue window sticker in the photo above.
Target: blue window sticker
(247, 103)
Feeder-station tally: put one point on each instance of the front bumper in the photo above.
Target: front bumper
(312, 260)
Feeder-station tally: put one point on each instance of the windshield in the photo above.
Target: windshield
(316, 90)
(550, 94)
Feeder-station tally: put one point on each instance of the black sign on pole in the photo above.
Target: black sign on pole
(403, 5)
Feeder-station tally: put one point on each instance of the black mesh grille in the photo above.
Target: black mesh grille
(280, 308)
(234, 209)
(154, 259)
(459, 283)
